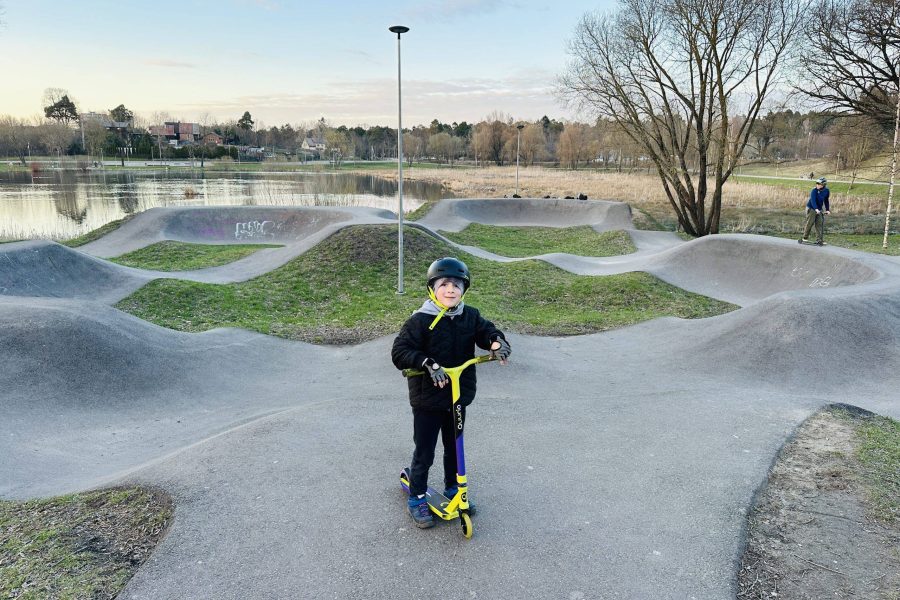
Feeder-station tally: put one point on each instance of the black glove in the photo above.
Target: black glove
(503, 352)
(438, 376)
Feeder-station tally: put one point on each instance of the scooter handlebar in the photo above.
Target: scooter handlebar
(472, 361)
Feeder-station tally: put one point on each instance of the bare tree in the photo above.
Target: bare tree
(576, 145)
(490, 137)
(413, 147)
(854, 65)
(534, 143)
(440, 146)
(95, 136)
(860, 139)
(670, 73)
(56, 137)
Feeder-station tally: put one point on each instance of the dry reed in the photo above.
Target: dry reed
(640, 190)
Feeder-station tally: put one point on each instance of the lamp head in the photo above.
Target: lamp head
(398, 29)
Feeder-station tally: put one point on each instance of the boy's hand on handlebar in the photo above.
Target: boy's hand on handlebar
(501, 350)
(438, 376)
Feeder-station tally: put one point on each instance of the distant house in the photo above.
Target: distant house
(213, 139)
(177, 133)
(313, 145)
(105, 121)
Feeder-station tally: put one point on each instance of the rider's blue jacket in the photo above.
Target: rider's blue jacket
(818, 199)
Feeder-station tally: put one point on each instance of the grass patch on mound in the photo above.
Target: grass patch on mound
(79, 546)
(179, 256)
(519, 242)
(96, 234)
(879, 453)
(420, 212)
(342, 291)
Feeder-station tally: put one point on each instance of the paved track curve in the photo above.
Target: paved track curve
(615, 465)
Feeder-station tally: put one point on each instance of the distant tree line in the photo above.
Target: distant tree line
(776, 137)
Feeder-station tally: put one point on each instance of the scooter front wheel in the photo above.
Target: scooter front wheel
(466, 522)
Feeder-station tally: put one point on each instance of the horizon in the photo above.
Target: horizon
(188, 59)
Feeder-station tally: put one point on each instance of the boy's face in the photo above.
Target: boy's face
(448, 291)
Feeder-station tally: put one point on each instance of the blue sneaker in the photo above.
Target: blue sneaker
(450, 492)
(420, 512)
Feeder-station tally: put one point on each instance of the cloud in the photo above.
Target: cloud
(170, 64)
(457, 8)
(374, 101)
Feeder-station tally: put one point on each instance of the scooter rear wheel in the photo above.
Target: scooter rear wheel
(466, 522)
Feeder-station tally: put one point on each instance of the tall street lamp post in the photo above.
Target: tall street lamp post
(399, 29)
(519, 127)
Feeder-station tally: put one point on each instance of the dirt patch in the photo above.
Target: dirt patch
(811, 533)
(85, 545)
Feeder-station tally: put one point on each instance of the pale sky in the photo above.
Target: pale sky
(290, 61)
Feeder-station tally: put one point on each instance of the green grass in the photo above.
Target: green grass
(420, 212)
(879, 452)
(78, 546)
(863, 242)
(96, 234)
(343, 291)
(519, 242)
(179, 256)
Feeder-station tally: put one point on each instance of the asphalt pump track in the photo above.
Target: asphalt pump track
(613, 465)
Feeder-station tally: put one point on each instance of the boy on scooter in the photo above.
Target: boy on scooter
(444, 331)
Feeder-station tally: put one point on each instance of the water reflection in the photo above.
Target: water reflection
(64, 204)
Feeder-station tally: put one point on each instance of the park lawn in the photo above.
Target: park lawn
(863, 242)
(95, 234)
(520, 242)
(84, 545)
(343, 291)
(179, 256)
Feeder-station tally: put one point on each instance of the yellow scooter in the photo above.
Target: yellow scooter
(458, 506)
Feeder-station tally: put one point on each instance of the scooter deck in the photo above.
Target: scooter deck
(438, 503)
(436, 500)
(811, 243)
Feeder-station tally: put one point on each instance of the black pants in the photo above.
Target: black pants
(426, 426)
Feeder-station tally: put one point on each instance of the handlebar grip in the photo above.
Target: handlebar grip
(412, 372)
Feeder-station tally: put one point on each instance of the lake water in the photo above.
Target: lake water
(55, 204)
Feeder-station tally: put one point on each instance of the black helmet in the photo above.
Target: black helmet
(448, 267)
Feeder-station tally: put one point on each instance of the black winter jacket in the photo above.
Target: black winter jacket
(451, 343)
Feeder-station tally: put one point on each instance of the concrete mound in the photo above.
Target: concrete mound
(69, 348)
(455, 215)
(229, 225)
(744, 269)
(47, 269)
